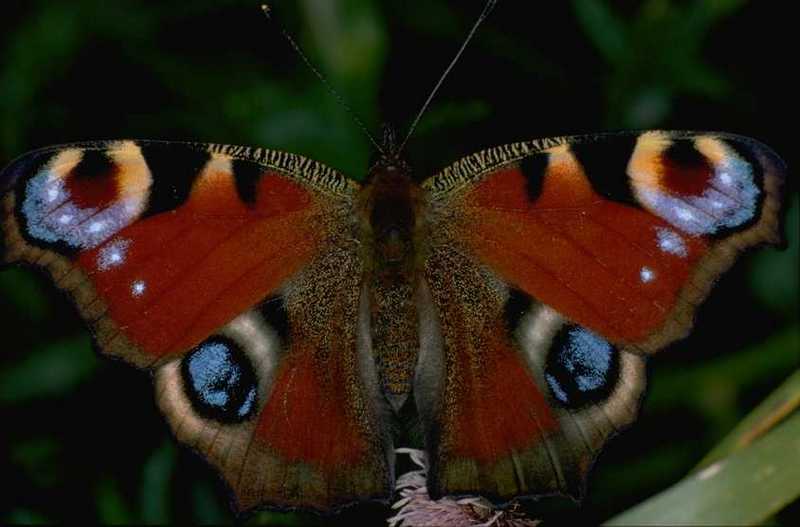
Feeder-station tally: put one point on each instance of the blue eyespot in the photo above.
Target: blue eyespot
(582, 368)
(220, 381)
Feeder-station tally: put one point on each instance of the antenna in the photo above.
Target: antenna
(268, 14)
(486, 10)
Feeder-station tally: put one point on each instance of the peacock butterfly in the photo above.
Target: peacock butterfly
(297, 313)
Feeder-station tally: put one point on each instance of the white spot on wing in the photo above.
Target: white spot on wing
(685, 214)
(138, 288)
(647, 275)
(671, 242)
(113, 254)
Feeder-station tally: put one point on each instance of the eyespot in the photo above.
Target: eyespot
(582, 368)
(703, 185)
(219, 380)
(83, 197)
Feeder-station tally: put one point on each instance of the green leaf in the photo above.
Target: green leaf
(604, 28)
(39, 49)
(37, 457)
(773, 410)
(156, 476)
(23, 290)
(112, 508)
(729, 374)
(745, 488)
(452, 115)
(207, 507)
(349, 37)
(47, 372)
(774, 277)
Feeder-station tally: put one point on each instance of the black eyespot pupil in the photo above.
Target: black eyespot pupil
(220, 381)
(582, 367)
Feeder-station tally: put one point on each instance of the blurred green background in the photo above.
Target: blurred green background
(81, 439)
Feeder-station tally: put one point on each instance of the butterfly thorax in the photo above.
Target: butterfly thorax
(390, 202)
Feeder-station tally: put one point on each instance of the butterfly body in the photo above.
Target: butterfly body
(289, 313)
(388, 207)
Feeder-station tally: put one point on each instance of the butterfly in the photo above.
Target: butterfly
(290, 315)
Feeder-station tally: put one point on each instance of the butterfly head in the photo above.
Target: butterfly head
(388, 159)
(389, 143)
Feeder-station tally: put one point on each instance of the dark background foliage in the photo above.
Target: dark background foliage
(81, 439)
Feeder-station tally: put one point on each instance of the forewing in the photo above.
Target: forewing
(553, 266)
(203, 262)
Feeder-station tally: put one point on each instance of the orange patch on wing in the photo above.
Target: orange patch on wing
(182, 274)
(214, 192)
(499, 408)
(307, 418)
(645, 166)
(506, 189)
(595, 261)
(564, 184)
